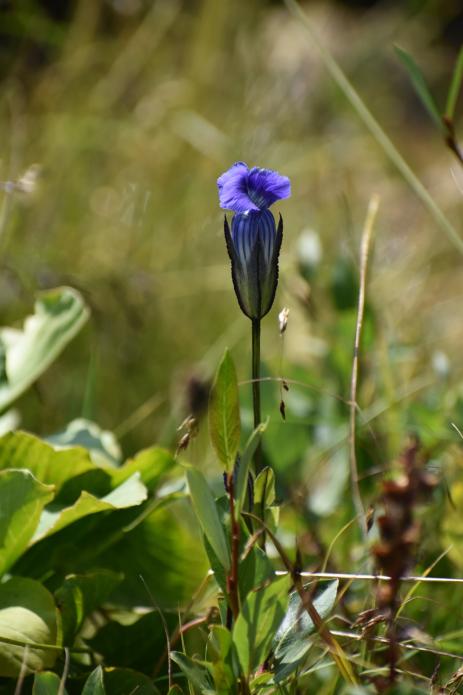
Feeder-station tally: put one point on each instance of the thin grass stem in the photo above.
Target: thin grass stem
(373, 577)
(364, 251)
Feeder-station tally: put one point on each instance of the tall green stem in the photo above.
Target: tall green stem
(256, 388)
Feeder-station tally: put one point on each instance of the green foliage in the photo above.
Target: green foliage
(224, 413)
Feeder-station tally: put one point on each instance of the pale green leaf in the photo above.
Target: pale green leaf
(152, 464)
(291, 642)
(130, 494)
(59, 315)
(101, 444)
(94, 685)
(28, 615)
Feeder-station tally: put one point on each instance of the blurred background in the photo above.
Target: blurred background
(132, 108)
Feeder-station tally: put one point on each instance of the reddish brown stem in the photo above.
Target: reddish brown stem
(175, 637)
(232, 579)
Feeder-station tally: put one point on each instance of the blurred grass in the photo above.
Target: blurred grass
(134, 116)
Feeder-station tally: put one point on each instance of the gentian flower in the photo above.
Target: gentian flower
(254, 242)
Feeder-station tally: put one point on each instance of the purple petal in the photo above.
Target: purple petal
(233, 189)
(265, 186)
(245, 228)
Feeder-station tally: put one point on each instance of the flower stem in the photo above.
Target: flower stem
(232, 579)
(256, 388)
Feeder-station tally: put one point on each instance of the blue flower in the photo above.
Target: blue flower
(254, 242)
(242, 189)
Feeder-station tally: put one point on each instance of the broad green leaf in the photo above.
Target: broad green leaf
(23, 498)
(27, 614)
(59, 315)
(47, 683)
(455, 85)
(195, 671)
(244, 465)
(224, 413)
(23, 450)
(81, 594)
(101, 444)
(153, 540)
(152, 464)
(94, 685)
(131, 493)
(159, 550)
(291, 641)
(420, 86)
(207, 515)
(255, 627)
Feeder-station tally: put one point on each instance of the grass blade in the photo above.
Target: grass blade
(420, 86)
(455, 85)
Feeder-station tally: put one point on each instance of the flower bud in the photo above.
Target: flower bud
(254, 247)
(254, 242)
